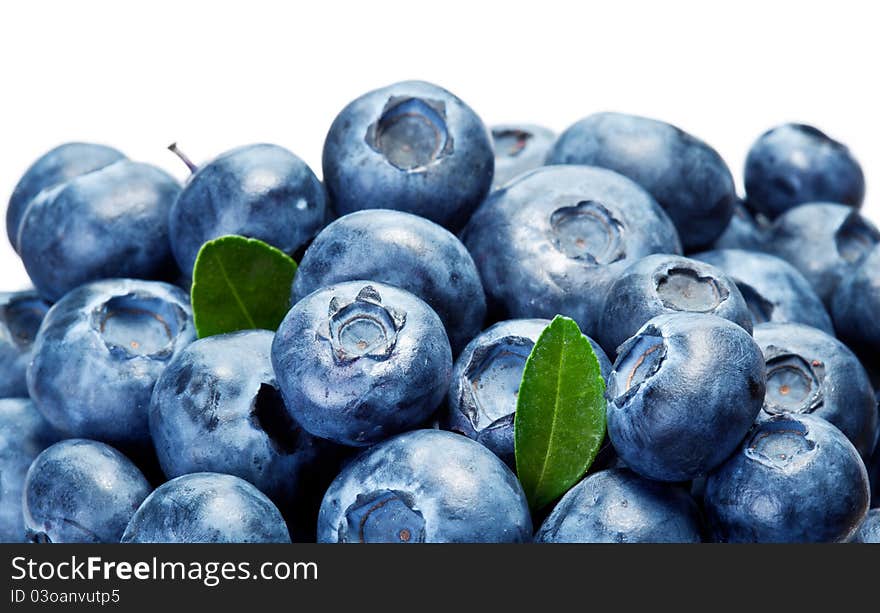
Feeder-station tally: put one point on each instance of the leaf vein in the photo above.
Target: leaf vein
(234, 293)
(547, 451)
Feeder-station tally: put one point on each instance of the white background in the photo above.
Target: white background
(213, 75)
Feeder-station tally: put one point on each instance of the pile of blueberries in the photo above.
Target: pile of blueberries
(739, 338)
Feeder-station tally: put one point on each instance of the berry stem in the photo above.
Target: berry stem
(173, 148)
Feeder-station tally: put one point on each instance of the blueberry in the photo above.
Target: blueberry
(793, 164)
(825, 242)
(773, 289)
(796, 478)
(99, 352)
(259, 191)
(869, 531)
(207, 508)
(518, 149)
(685, 175)
(411, 147)
(23, 435)
(553, 240)
(683, 394)
(55, 167)
(874, 475)
(618, 506)
(809, 371)
(660, 284)
(855, 305)
(20, 317)
(744, 231)
(403, 250)
(485, 383)
(425, 486)
(112, 222)
(360, 361)
(216, 408)
(81, 491)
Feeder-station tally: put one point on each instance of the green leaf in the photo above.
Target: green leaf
(560, 413)
(240, 284)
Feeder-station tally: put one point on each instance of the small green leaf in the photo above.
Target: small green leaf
(560, 413)
(240, 284)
